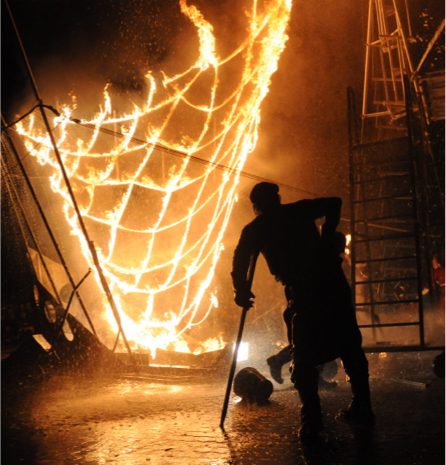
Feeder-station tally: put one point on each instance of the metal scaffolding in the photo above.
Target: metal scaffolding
(396, 187)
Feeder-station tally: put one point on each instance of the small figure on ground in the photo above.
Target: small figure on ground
(324, 325)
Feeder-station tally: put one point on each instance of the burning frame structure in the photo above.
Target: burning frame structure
(123, 213)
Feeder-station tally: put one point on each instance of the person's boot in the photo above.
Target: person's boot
(276, 362)
(309, 431)
(311, 421)
(360, 410)
(311, 412)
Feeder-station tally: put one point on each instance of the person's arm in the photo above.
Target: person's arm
(245, 249)
(324, 207)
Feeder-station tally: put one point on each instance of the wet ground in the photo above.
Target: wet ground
(129, 420)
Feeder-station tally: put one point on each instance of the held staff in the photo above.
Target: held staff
(250, 278)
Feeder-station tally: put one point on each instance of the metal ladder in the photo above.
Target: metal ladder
(385, 253)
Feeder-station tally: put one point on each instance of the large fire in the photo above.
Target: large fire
(157, 220)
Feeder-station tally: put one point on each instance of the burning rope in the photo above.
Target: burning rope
(158, 227)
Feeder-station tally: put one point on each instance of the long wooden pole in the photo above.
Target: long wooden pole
(250, 278)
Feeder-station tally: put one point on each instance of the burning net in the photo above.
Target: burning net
(157, 216)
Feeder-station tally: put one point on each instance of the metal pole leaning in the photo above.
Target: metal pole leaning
(252, 266)
(64, 173)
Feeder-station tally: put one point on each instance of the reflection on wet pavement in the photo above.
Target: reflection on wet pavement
(131, 423)
(69, 420)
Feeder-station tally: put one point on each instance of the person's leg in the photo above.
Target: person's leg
(356, 365)
(276, 362)
(305, 378)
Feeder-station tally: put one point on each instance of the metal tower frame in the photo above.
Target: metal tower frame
(391, 194)
(387, 60)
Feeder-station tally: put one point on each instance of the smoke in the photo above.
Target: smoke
(78, 47)
(303, 134)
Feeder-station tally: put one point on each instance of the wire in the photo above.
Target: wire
(168, 150)
(194, 158)
(180, 154)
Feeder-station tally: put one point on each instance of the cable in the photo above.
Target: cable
(168, 150)
(177, 153)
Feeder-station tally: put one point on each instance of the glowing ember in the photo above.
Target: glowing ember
(348, 239)
(157, 220)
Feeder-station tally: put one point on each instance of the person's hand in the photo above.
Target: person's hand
(244, 299)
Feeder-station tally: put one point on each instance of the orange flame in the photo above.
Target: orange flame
(157, 221)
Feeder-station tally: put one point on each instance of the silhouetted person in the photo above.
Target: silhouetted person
(324, 323)
(281, 358)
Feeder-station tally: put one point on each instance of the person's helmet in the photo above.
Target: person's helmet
(265, 196)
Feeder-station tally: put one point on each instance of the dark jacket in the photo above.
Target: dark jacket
(289, 240)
